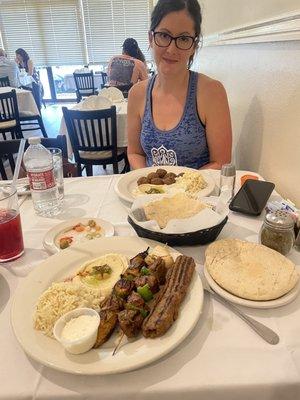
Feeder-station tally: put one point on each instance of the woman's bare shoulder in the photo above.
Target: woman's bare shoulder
(209, 86)
(138, 91)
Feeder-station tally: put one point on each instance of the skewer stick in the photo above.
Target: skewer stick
(118, 345)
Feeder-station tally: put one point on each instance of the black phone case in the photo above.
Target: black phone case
(236, 208)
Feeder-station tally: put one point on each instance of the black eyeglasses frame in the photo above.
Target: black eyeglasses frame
(194, 39)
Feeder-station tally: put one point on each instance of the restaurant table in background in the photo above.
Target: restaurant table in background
(121, 109)
(222, 359)
(25, 100)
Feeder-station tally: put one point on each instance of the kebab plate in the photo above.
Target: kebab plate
(144, 299)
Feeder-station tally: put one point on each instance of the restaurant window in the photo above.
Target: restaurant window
(51, 31)
(109, 22)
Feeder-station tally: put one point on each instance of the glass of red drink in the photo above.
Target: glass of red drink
(11, 237)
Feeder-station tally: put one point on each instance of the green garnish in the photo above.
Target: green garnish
(101, 270)
(153, 191)
(145, 292)
(145, 271)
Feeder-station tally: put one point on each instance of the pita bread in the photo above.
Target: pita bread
(250, 271)
(179, 206)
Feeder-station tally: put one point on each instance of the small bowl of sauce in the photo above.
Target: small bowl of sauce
(77, 330)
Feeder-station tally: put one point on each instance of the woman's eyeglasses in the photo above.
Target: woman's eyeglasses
(183, 42)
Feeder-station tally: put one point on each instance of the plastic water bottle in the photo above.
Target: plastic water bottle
(39, 166)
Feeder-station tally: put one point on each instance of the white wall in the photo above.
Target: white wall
(263, 85)
(223, 14)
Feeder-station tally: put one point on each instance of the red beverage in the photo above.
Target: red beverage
(11, 238)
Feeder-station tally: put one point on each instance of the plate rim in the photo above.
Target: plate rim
(48, 239)
(137, 172)
(263, 304)
(31, 352)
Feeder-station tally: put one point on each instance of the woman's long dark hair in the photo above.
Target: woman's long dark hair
(131, 48)
(165, 7)
(24, 56)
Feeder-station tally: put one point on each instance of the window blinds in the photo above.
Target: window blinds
(109, 22)
(51, 31)
(73, 32)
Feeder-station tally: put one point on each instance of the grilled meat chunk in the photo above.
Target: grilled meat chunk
(123, 288)
(159, 270)
(139, 259)
(109, 309)
(136, 300)
(150, 279)
(166, 307)
(130, 322)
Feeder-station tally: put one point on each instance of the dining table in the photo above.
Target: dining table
(121, 111)
(221, 359)
(25, 99)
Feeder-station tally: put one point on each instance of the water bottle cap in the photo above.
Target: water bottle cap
(34, 140)
(228, 170)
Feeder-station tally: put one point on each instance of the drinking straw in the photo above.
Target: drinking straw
(18, 162)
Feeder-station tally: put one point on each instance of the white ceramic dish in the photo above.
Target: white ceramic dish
(50, 239)
(131, 355)
(82, 344)
(281, 301)
(128, 182)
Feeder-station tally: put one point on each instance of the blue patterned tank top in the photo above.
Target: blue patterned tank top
(185, 144)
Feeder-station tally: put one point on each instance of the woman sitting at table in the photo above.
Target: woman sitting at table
(24, 62)
(178, 117)
(129, 67)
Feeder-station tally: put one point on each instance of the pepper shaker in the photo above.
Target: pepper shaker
(227, 180)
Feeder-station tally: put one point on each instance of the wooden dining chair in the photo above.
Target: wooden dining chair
(93, 135)
(4, 81)
(104, 77)
(10, 148)
(84, 84)
(30, 121)
(9, 115)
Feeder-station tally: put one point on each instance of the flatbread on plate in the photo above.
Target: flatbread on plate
(249, 270)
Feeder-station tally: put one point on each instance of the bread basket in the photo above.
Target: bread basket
(203, 236)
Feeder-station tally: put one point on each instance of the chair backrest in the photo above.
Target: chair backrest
(36, 93)
(9, 148)
(9, 110)
(4, 81)
(104, 78)
(84, 82)
(92, 130)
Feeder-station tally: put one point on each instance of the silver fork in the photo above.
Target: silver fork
(263, 331)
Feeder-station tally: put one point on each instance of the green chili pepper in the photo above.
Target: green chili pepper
(145, 292)
(144, 313)
(145, 271)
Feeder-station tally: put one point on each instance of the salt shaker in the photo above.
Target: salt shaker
(227, 180)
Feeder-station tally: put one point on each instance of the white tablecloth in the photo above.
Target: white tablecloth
(222, 359)
(121, 125)
(25, 99)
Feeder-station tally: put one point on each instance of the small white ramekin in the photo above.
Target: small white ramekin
(80, 345)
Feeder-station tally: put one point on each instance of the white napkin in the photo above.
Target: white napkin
(112, 93)
(206, 218)
(94, 103)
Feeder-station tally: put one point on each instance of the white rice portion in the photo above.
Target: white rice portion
(59, 299)
(191, 181)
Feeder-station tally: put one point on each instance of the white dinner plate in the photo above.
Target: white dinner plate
(23, 187)
(264, 304)
(50, 243)
(131, 355)
(128, 182)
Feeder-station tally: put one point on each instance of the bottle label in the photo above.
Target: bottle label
(41, 180)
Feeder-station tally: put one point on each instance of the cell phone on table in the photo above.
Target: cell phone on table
(252, 197)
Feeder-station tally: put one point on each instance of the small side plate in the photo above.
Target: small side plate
(264, 304)
(49, 241)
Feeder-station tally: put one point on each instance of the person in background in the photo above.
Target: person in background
(24, 62)
(129, 67)
(178, 117)
(9, 68)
